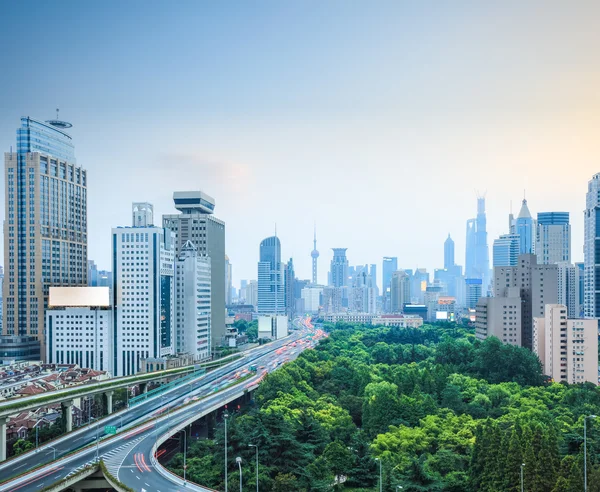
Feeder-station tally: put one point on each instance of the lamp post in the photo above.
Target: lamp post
(380, 475)
(522, 465)
(585, 450)
(184, 453)
(53, 449)
(238, 460)
(225, 417)
(255, 446)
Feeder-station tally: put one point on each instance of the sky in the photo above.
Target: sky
(380, 121)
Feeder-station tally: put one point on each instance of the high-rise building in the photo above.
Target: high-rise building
(79, 327)
(525, 229)
(311, 295)
(591, 249)
(143, 296)
(373, 274)
(419, 280)
(553, 238)
(390, 265)
(477, 257)
(142, 214)
(45, 231)
(252, 293)
(196, 223)
(315, 257)
(500, 317)
(228, 281)
(289, 282)
(506, 250)
(538, 286)
(473, 291)
(579, 288)
(399, 291)
(271, 299)
(567, 348)
(192, 303)
(567, 288)
(448, 253)
(339, 268)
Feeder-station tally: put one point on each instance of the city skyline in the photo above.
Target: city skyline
(227, 134)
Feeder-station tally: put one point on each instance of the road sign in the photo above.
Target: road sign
(110, 429)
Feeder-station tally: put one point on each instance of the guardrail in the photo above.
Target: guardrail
(165, 387)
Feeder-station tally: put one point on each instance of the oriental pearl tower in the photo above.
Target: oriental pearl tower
(315, 257)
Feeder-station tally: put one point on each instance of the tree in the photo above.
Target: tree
(285, 482)
(339, 459)
(22, 446)
(381, 407)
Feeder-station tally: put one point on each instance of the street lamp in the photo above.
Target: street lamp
(184, 452)
(585, 450)
(225, 417)
(522, 465)
(255, 446)
(380, 475)
(238, 460)
(53, 449)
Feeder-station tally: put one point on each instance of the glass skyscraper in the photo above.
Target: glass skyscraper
(271, 299)
(45, 231)
(553, 238)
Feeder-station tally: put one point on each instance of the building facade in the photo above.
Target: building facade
(79, 327)
(525, 227)
(196, 223)
(192, 303)
(143, 296)
(271, 286)
(45, 231)
(142, 214)
(506, 250)
(339, 268)
(500, 317)
(567, 348)
(473, 291)
(553, 238)
(567, 288)
(399, 291)
(591, 249)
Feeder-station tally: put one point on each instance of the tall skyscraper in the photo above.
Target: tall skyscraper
(399, 291)
(192, 306)
(315, 257)
(591, 249)
(390, 265)
(143, 296)
(567, 287)
(525, 229)
(473, 291)
(45, 231)
(448, 253)
(252, 293)
(477, 258)
(142, 214)
(506, 250)
(580, 289)
(196, 223)
(271, 299)
(553, 238)
(339, 268)
(289, 287)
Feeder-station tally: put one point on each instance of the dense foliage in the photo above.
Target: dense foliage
(440, 410)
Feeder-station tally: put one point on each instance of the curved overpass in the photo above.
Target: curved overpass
(130, 454)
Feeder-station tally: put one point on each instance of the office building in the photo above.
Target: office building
(45, 231)
(143, 296)
(448, 253)
(477, 259)
(419, 280)
(473, 291)
(399, 291)
(252, 293)
(79, 327)
(398, 320)
(525, 227)
(271, 299)
(142, 214)
(339, 268)
(500, 317)
(553, 238)
(196, 223)
(538, 286)
(272, 327)
(228, 281)
(332, 300)
(289, 287)
(373, 274)
(192, 303)
(506, 250)
(567, 348)
(390, 265)
(591, 249)
(315, 257)
(311, 295)
(567, 287)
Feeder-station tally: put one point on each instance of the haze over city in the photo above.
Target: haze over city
(377, 121)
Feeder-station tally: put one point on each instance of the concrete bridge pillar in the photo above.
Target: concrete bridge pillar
(109, 401)
(143, 388)
(3, 438)
(67, 407)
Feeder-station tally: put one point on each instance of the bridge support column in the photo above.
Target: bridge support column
(67, 407)
(109, 401)
(143, 388)
(3, 438)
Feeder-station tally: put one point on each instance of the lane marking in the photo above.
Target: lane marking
(36, 478)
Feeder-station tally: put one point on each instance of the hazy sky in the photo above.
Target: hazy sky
(379, 120)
